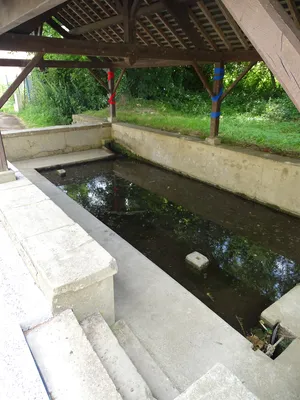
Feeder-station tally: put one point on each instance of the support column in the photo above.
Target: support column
(112, 94)
(216, 104)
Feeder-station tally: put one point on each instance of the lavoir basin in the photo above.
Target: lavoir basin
(254, 251)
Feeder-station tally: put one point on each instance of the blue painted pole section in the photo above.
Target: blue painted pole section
(216, 99)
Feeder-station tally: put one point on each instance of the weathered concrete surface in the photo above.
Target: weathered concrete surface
(23, 299)
(19, 377)
(71, 269)
(269, 179)
(217, 384)
(290, 357)
(286, 310)
(125, 376)
(69, 365)
(86, 119)
(65, 159)
(7, 176)
(42, 142)
(160, 385)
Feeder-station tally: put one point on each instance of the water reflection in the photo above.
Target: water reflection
(244, 276)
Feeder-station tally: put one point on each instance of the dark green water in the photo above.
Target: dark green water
(254, 251)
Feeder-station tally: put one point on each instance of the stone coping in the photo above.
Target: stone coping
(240, 149)
(53, 129)
(65, 261)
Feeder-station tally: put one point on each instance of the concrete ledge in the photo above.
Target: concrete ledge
(269, 179)
(33, 143)
(7, 176)
(71, 268)
(286, 310)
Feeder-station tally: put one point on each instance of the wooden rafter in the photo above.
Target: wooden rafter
(14, 42)
(160, 31)
(237, 30)
(145, 29)
(212, 21)
(181, 14)
(202, 31)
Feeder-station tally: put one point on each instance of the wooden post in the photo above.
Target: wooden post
(112, 94)
(3, 162)
(216, 103)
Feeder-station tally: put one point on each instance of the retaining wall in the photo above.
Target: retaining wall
(32, 143)
(269, 179)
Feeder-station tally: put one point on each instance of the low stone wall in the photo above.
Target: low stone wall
(269, 179)
(41, 142)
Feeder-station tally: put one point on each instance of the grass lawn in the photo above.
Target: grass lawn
(243, 130)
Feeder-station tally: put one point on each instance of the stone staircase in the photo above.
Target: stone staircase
(91, 361)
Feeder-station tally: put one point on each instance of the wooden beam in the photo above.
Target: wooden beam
(294, 12)
(275, 36)
(129, 22)
(99, 79)
(181, 14)
(3, 162)
(119, 79)
(16, 12)
(14, 42)
(134, 7)
(26, 71)
(10, 62)
(216, 100)
(203, 79)
(238, 79)
(14, 62)
(237, 30)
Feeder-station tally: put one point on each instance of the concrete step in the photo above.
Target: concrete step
(160, 385)
(19, 377)
(70, 367)
(120, 368)
(217, 384)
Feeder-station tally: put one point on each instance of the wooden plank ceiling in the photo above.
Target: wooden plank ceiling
(194, 25)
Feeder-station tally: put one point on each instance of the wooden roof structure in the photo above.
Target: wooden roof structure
(141, 33)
